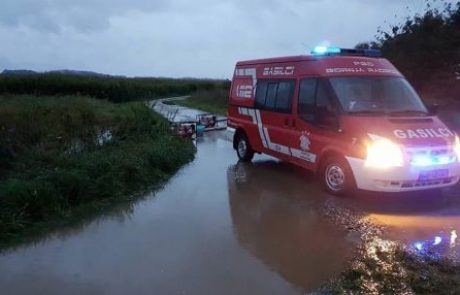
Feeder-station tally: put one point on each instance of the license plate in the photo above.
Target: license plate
(433, 174)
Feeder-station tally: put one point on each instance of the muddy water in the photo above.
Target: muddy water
(217, 227)
(423, 221)
(223, 227)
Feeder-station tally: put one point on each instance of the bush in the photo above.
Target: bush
(426, 48)
(61, 153)
(214, 101)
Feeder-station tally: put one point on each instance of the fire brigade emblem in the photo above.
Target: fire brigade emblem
(305, 141)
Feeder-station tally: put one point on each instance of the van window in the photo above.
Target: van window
(284, 96)
(323, 97)
(307, 95)
(271, 95)
(261, 93)
(275, 95)
(316, 102)
(390, 95)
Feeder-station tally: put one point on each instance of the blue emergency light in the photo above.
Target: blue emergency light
(328, 51)
(426, 160)
(324, 50)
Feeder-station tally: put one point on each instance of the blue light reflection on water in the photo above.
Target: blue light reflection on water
(437, 246)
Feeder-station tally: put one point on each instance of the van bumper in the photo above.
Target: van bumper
(402, 179)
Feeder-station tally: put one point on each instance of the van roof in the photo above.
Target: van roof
(300, 58)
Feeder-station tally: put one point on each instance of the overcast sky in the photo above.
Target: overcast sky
(181, 38)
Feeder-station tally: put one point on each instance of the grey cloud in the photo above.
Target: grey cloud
(200, 38)
(81, 15)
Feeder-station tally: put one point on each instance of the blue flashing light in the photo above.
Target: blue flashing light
(324, 50)
(437, 241)
(418, 246)
(444, 160)
(426, 160)
(422, 161)
(327, 51)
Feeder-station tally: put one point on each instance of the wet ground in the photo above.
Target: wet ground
(176, 113)
(223, 227)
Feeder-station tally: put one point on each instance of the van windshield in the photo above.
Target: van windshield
(389, 95)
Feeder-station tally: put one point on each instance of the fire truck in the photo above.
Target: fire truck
(348, 115)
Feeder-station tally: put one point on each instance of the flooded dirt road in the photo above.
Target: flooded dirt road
(215, 228)
(223, 227)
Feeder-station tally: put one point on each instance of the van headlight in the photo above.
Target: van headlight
(383, 153)
(457, 147)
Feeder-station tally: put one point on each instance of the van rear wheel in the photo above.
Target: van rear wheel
(337, 177)
(243, 148)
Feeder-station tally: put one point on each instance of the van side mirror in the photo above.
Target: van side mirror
(433, 109)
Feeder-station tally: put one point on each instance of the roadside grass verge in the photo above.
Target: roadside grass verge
(213, 101)
(63, 158)
(389, 268)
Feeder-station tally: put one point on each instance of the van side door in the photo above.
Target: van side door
(317, 122)
(274, 108)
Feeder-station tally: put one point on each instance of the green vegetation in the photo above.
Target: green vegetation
(426, 48)
(388, 268)
(115, 89)
(213, 101)
(64, 157)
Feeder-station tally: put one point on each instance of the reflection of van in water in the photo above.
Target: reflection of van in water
(348, 115)
(276, 224)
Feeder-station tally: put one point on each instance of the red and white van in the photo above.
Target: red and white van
(349, 115)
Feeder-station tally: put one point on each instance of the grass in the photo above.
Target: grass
(214, 101)
(115, 89)
(62, 158)
(384, 269)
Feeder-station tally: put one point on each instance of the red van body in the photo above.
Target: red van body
(353, 119)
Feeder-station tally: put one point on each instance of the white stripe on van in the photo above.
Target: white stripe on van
(263, 132)
(304, 155)
(274, 146)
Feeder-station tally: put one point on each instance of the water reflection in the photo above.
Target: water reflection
(426, 222)
(278, 219)
(120, 213)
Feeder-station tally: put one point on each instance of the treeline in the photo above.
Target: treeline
(426, 49)
(114, 89)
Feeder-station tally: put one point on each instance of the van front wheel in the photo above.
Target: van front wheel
(337, 177)
(243, 148)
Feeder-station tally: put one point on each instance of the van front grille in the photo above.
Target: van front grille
(431, 156)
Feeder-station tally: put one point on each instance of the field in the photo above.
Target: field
(115, 89)
(213, 101)
(64, 157)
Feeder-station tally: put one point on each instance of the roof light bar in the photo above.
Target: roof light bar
(328, 51)
(324, 50)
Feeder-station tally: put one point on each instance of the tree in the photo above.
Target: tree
(425, 48)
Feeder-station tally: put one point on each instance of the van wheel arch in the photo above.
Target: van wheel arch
(239, 132)
(242, 146)
(336, 158)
